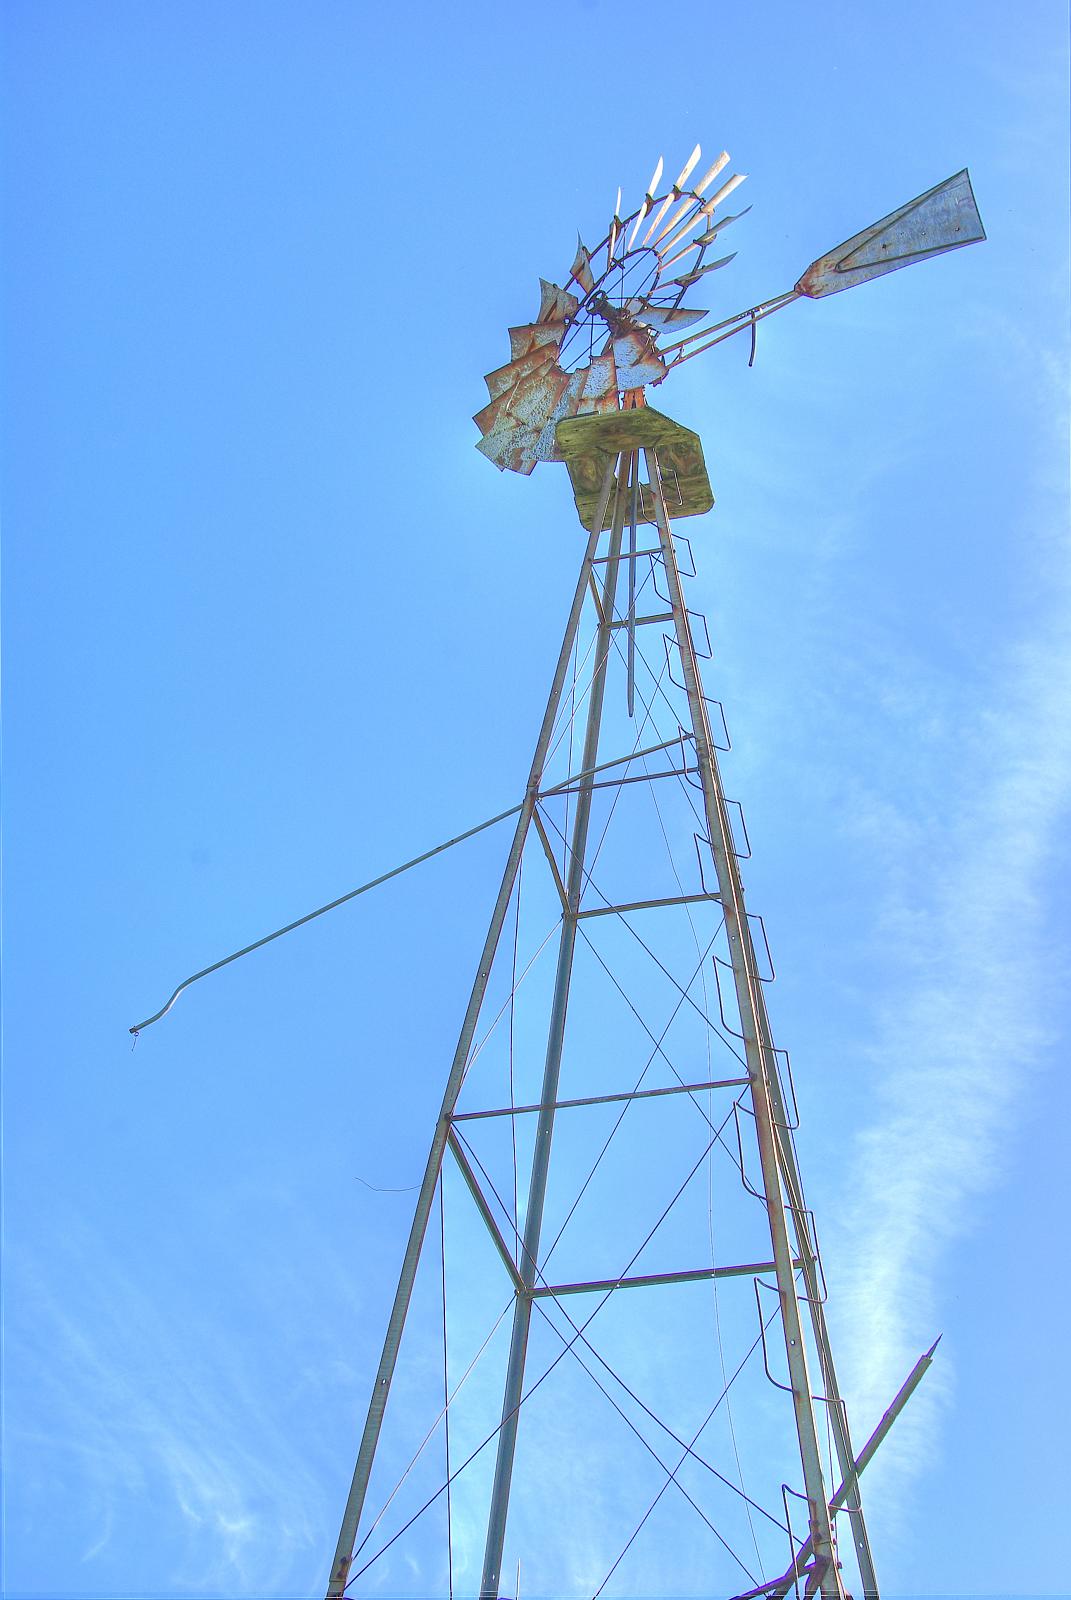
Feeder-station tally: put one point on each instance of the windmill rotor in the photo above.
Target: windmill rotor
(593, 344)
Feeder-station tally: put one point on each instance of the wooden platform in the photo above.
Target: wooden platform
(589, 443)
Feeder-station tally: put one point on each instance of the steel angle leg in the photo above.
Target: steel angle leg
(377, 1405)
(753, 1025)
(533, 1222)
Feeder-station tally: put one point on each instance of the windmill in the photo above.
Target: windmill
(625, 726)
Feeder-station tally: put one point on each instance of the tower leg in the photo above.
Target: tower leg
(533, 1221)
(761, 1062)
(377, 1405)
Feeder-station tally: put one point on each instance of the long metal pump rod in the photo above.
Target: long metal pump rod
(759, 1059)
(533, 1220)
(395, 1327)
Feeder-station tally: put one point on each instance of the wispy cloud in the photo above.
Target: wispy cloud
(961, 1031)
(154, 1426)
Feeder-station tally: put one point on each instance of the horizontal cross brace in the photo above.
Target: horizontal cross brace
(654, 1280)
(602, 1099)
(648, 905)
(616, 783)
(638, 622)
(618, 761)
(626, 555)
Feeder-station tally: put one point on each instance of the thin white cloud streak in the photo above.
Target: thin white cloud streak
(960, 1033)
(136, 1412)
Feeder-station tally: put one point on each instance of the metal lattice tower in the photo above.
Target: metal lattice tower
(679, 1080)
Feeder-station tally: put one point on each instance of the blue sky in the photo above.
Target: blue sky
(272, 625)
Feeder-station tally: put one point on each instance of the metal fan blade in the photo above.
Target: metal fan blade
(719, 165)
(672, 260)
(494, 450)
(529, 401)
(580, 271)
(663, 208)
(711, 265)
(689, 278)
(680, 234)
(533, 399)
(497, 415)
(723, 193)
(944, 218)
(502, 379)
(555, 305)
(648, 202)
(703, 238)
(687, 204)
(638, 360)
(509, 445)
(641, 213)
(567, 405)
(615, 232)
(522, 458)
(665, 316)
(531, 336)
(686, 169)
(600, 378)
(713, 231)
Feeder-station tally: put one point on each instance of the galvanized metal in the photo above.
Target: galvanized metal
(944, 218)
(654, 1280)
(486, 1214)
(615, 761)
(605, 1099)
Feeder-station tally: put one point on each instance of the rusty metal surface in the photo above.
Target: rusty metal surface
(944, 218)
(505, 378)
(665, 316)
(591, 347)
(532, 335)
(638, 360)
(580, 272)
